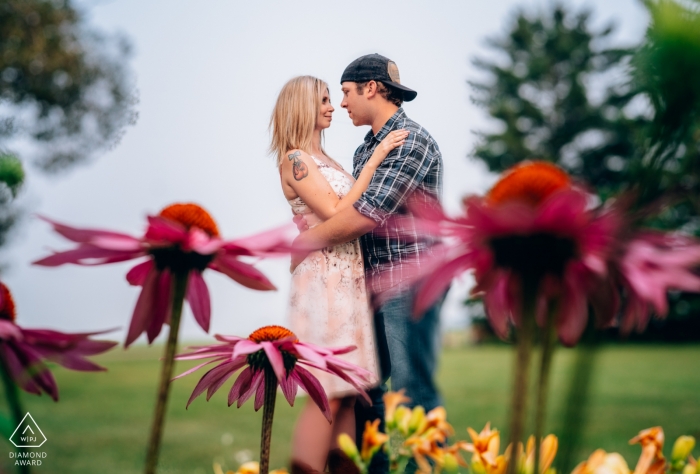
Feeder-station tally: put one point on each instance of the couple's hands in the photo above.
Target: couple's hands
(392, 140)
(299, 255)
(303, 222)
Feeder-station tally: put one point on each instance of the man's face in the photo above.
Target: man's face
(356, 104)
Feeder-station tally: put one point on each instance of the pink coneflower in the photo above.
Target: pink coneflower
(532, 236)
(651, 264)
(180, 242)
(272, 357)
(24, 351)
(181, 239)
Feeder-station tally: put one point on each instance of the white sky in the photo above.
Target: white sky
(208, 74)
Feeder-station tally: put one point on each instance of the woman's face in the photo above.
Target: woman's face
(325, 113)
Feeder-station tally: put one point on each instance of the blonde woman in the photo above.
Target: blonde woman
(328, 303)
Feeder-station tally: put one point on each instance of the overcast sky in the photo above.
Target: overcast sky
(208, 74)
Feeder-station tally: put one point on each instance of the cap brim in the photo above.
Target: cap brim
(408, 94)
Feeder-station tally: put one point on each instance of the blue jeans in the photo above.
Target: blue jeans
(408, 351)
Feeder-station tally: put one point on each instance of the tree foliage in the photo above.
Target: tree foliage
(544, 85)
(65, 93)
(63, 87)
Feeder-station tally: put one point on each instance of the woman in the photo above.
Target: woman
(329, 304)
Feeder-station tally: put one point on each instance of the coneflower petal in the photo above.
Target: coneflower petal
(137, 275)
(260, 396)
(204, 383)
(241, 384)
(245, 347)
(142, 310)
(289, 388)
(82, 235)
(160, 310)
(241, 272)
(271, 242)
(165, 230)
(435, 286)
(312, 386)
(257, 380)
(85, 254)
(17, 368)
(574, 309)
(274, 356)
(216, 382)
(198, 297)
(497, 303)
(196, 367)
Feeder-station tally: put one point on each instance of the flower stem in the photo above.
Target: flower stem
(18, 413)
(268, 414)
(521, 372)
(543, 385)
(179, 289)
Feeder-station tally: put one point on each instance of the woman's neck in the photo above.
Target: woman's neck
(316, 149)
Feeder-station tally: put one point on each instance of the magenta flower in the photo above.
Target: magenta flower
(183, 239)
(537, 233)
(526, 235)
(652, 264)
(23, 351)
(275, 349)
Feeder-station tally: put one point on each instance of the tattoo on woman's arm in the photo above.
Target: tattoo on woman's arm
(298, 167)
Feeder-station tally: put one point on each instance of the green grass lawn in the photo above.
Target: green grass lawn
(101, 423)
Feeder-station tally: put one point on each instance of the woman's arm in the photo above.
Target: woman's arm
(392, 140)
(301, 173)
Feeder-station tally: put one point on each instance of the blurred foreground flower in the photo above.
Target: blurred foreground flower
(541, 252)
(272, 357)
(23, 353)
(180, 242)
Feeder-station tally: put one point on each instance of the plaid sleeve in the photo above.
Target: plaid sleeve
(396, 178)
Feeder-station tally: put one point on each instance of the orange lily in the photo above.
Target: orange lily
(484, 445)
(391, 401)
(437, 418)
(601, 462)
(652, 460)
(372, 440)
(424, 446)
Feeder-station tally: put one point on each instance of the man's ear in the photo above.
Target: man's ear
(371, 89)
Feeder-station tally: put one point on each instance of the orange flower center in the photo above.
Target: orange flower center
(531, 182)
(271, 333)
(191, 215)
(7, 308)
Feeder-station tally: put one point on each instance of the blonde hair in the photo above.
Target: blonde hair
(294, 116)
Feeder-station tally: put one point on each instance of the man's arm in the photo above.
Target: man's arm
(345, 226)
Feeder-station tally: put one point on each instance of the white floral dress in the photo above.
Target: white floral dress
(328, 302)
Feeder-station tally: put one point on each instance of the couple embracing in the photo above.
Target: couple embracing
(348, 254)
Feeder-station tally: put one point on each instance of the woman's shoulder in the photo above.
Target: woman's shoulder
(295, 155)
(296, 164)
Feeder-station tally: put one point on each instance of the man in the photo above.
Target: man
(373, 95)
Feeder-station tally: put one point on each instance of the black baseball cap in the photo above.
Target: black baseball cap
(375, 67)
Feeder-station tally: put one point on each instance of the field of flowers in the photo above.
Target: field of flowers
(101, 423)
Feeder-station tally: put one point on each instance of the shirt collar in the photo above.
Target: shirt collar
(388, 127)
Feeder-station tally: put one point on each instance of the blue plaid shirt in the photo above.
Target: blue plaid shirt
(414, 166)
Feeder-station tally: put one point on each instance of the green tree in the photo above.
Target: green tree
(65, 92)
(545, 87)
